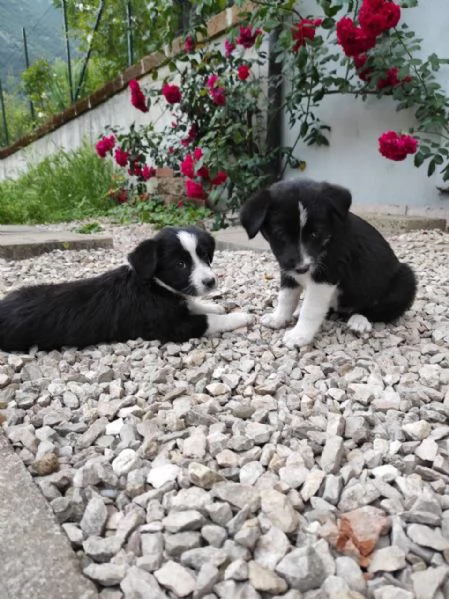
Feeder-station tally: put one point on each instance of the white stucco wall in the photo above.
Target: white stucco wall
(352, 159)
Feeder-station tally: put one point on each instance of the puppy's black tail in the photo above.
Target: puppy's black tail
(399, 296)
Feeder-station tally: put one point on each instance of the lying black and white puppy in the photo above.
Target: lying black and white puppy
(340, 260)
(155, 296)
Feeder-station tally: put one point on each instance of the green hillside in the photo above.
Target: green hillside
(44, 29)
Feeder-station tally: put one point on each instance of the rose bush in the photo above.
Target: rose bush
(214, 98)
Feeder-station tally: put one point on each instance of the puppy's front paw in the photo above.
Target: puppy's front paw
(274, 320)
(295, 338)
(359, 324)
(212, 308)
(240, 319)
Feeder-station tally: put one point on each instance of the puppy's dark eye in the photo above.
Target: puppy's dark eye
(314, 236)
(181, 264)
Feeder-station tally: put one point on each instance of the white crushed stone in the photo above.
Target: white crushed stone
(219, 468)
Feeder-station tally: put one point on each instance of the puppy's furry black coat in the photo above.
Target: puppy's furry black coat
(342, 260)
(150, 298)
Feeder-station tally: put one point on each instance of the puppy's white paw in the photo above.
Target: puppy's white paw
(274, 320)
(295, 338)
(240, 319)
(297, 311)
(212, 308)
(359, 324)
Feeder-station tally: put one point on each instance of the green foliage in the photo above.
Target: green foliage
(89, 228)
(65, 186)
(154, 212)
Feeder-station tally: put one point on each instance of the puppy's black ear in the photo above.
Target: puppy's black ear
(254, 211)
(207, 241)
(339, 198)
(144, 258)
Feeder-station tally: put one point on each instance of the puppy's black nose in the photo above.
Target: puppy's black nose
(209, 283)
(302, 269)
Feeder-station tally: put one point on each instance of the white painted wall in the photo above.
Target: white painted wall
(352, 158)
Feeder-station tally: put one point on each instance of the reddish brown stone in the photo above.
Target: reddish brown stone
(82, 106)
(217, 24)
(164, 171)
(98, 97)
(132, 72)
(361, 528)
(152, 61)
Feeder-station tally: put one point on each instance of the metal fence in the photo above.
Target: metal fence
(75, 84)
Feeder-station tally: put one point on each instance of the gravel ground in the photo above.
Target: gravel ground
(234, 468)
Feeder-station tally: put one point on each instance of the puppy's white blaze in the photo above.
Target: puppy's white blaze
(318, 299)
(200, 270)
(306, 259)
(302, 215)
(288, 299)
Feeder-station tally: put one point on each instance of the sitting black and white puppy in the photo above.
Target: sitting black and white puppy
(340, 260)
(155, 296)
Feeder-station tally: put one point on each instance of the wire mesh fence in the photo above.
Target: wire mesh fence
(37, 82)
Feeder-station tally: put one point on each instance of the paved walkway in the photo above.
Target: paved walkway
(36, 559)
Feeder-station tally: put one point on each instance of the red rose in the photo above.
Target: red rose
(121, 157)
(137, 96)
(359, 63)
(243, 72)
(122, 196)
(148, 172)
(203, 172)
(390, 80)
(353, 40)
(187, 166)
(305, 29)
(105, 145)
(171, 93)
(211, 81)
(378, 16)
(395, 146)
(197, 153)
(247, 37)
(219, 178)
(194, 190)
(135, 169)
(218, 96)
(229, 47)
(189, 44)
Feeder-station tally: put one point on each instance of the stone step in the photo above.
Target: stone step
(18, 242)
